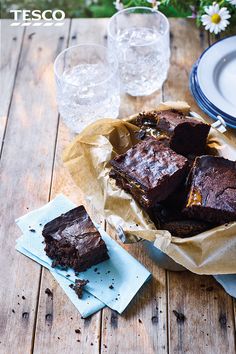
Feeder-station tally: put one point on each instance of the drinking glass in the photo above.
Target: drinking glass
(87, 85)
(139, 37)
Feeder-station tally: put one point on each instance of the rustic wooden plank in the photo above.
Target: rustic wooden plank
(66, 318)
(11, 41)
(26, 167)
(208, 327)
(142, 328)
(208, 324)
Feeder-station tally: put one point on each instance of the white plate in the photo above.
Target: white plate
(216, 75)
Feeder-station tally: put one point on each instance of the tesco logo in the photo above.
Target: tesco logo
(34, 17)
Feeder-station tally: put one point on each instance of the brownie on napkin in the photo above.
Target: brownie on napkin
(73, 241)
(149, 171)
(183, 134)
(212, 195)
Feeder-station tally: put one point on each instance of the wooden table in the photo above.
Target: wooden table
(33, 138)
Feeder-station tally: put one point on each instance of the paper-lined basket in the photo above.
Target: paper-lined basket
(87, 158)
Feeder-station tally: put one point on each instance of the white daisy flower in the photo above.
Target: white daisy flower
(232, 2)
(215, 19)
(154, 3)
(118, 5)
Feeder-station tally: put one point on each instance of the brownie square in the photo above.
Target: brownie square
(174, 221)
(183, 134)
(73, 241)
(212, 194)
(149, 171)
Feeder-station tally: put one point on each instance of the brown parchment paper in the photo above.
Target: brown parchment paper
(87, 158)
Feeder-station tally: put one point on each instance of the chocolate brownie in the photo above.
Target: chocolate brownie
(212, 190)
(73, 241)
(173, 220)
(183, 134)
(149, 171)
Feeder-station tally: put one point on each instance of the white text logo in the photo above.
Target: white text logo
(38, 18)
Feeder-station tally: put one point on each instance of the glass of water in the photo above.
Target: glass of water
(87, 85)
(139, 37)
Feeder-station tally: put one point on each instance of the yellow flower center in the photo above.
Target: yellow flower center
(216, 18)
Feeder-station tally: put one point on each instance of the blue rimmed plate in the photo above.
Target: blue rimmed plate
(215, 76)
(204, 104)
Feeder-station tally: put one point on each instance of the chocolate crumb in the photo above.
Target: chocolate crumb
(74, 36)
(49, 292)
(58, 337)
(48, 317)
(31, 35)
(95, 269)
(154, 319)
(32, 230)
(111, 287)
(25, 315)
(180, 316)
(78, 340)
(61, 38)
(77, 331)
(14, 38)
(67, 275)
(23, 297)
(140, 321)
(71, 318)
(91, 343)
(13, 310)
(18, 303)
(105, 346)
(98, 272)
(40, 224)
(78, 287)
(108, 271)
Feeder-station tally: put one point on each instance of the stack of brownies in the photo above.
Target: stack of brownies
(170, 175)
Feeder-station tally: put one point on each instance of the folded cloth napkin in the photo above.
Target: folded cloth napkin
(113, 282)
(228, 282)
(86, 306)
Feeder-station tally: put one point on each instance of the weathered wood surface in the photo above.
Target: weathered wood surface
(11, 41)
(32, 172)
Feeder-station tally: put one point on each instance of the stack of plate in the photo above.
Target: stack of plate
(213, 81)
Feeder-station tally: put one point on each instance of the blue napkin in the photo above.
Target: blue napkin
(113, 282)
(228, 282)
(86, 306)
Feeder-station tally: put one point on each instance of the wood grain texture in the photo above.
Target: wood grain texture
(208, 327)
(208, 324)
(66, 317)
(142, 328)
(11, 41)
(26, 167)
